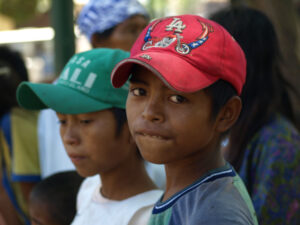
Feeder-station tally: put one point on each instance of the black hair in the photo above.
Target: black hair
(12, 72)
(58, 192)
(105, 34)
(220, 92)
(265, 91)
(101, 37)
(120, 117)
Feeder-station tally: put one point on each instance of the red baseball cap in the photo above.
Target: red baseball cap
(187, 52)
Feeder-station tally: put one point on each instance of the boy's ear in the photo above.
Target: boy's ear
(229, 114)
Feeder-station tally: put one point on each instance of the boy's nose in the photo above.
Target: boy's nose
(69, 136)
(153, 111)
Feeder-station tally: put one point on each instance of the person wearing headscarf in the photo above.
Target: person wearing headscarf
(112, 23)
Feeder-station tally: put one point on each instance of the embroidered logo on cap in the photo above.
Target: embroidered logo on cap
(177, 24)
(177, 27)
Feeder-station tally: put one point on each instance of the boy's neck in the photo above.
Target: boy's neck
(126, 180)
(183, 173)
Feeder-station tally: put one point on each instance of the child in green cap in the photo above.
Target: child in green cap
(96, 137)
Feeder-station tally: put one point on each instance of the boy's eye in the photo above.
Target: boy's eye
(138, 91)
(85, 121)
(177, 99)
(62, 122)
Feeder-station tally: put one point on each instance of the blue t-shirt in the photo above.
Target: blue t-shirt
(271, 172)
(219, 197)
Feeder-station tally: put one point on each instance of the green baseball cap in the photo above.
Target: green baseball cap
(83, 86)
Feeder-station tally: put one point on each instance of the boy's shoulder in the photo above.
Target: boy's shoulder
(92, 206)
(224, 200)
(218, 197)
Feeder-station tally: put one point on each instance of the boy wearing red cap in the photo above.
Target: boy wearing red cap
(186, 75)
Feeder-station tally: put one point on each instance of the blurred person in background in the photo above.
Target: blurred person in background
(106, 24)
(264, 144)
(19, 164)
(53, 200)
(112, 23)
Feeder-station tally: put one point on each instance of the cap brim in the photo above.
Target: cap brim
(174, 71)
(61, 99)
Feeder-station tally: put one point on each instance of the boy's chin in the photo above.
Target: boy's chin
(85, 173)
(151, 156)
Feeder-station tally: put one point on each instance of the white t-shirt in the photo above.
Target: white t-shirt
(93, 208)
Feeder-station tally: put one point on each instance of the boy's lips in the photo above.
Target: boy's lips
(152, 134)
(75, 158)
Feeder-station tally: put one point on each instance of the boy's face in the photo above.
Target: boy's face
(167, 125)
(125, 34)
(91, 142)
(40, 214)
